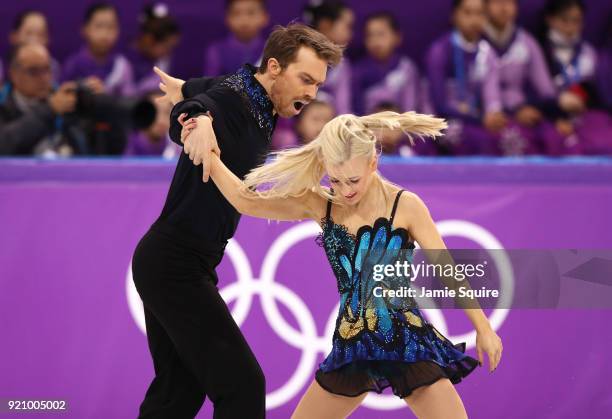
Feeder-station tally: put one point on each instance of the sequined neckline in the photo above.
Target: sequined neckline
(364, 227)
(258, 102)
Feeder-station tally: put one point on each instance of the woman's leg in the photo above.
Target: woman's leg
(321, 404)
(439, 400)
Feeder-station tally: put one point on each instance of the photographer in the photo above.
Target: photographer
(30, 112)
(37, 120)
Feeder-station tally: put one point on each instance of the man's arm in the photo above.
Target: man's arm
(200, 104)
(195, 86)
(223, 106)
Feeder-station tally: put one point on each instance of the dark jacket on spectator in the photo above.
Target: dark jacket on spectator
(21, 132)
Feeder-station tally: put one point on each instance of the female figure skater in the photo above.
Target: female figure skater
(375, 345)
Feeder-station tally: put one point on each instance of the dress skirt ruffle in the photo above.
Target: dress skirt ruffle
(402, 375)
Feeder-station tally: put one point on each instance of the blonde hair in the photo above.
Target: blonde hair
(294, 171)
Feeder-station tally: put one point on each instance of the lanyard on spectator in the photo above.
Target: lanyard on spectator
(565, 69)
(466, 101)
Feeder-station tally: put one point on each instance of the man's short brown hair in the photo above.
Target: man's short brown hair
(284, 42)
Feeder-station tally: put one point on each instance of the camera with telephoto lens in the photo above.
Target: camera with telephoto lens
(101, 122)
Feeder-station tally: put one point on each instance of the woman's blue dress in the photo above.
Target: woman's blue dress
(381, 342)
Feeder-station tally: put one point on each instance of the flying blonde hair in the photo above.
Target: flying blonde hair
(293, 172)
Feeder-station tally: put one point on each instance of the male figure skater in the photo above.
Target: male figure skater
(197, 348)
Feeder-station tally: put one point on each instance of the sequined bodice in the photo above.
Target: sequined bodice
(352, 256)
(346, 251)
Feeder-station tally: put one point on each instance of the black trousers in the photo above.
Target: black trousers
(197, 348)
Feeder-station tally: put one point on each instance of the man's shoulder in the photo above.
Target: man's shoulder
(198, 85)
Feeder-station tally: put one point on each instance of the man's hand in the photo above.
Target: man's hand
(63, 100)
(171, 86)
(199, 141)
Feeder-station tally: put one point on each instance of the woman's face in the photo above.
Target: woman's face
(568, 23)
(469, 19)
(351, 179)
(33, 30)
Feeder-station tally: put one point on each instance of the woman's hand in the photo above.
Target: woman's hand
(487, 341)
(171, 86)
(199, 141)
(188, 126)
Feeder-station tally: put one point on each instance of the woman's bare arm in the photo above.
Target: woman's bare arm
(423, 229)
(310, 205)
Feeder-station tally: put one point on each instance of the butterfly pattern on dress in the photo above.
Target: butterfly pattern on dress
(353, 257)
(370, 327)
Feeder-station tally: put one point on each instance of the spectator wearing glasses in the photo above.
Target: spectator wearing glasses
(31, 112)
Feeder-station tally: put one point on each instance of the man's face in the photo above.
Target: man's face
(31, 72)
(296, 85)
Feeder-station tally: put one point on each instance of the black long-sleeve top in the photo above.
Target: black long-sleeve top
(243, 121)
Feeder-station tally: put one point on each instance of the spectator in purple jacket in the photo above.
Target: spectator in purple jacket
(525, 82)
(158, 35)
(464, 87)
(527, 90)
(246, 20)
(97, 62)
(385, 75)
(334, 19)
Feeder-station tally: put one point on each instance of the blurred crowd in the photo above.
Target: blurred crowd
(505, 91)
